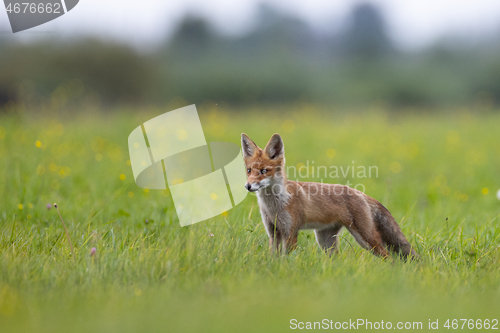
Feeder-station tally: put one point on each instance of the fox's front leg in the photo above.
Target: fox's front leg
(291, 242)
(292, 232)
(275, 236)
(283, 241)
(286, 233)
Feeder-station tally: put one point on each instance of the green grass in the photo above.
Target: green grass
(437, 174)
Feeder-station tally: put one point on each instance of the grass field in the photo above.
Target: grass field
(438, 173)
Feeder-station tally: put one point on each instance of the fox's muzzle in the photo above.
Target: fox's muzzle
(252, 187)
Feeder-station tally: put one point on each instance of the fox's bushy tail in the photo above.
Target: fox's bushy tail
(391, 233)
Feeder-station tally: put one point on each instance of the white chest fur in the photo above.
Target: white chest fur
(272, 202)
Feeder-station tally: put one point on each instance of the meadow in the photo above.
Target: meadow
(437, 172)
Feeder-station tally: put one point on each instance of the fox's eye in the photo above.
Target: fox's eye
(248, 170)
(263, 171)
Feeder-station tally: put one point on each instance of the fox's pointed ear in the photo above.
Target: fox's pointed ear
(248, 146)
(275, 147)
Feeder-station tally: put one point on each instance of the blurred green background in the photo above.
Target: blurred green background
(282, 59)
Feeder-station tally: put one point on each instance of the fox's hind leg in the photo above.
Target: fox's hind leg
(366, 234)
(327, 238)
(369, 241)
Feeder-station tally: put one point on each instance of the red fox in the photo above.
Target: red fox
(288, 206)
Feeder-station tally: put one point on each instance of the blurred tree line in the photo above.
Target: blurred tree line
(282, 59)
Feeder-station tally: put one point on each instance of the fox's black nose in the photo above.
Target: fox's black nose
(248, 186)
